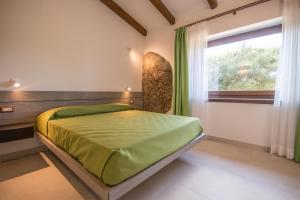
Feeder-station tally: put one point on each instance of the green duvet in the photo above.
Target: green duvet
(114, 142)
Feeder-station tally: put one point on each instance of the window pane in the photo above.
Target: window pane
(246, 65)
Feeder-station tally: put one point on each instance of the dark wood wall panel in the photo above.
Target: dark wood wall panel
(8, 96)
(28, 105)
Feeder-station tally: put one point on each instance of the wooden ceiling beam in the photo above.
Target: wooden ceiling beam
(160, 6)
(213, 4)
(125, 16)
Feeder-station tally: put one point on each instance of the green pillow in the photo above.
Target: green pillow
(90, 109)
(41, 123)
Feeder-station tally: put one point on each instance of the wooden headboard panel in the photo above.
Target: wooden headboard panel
(28, 105)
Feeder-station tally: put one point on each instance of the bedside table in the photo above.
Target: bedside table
(10, 133)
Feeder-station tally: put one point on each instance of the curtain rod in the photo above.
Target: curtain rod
(233, 11)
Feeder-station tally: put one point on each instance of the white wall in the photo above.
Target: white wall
(250, 123)
(67, 45)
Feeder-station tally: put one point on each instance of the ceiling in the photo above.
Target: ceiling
(184, 11)
(149, 17)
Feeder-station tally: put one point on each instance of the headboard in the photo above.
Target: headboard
(28, 105)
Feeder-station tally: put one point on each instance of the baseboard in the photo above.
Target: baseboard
(22, 153)
(238, 143)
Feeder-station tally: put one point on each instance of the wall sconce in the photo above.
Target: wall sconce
(14, 83)
(128, 89)
(134, 56)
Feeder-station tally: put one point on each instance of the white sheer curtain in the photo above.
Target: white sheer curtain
(287, 97)
(198, 77)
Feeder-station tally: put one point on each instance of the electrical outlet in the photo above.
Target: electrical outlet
(6, 109)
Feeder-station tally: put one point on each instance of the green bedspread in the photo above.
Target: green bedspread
(113, 141)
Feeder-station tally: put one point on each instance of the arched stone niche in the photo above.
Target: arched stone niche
(157, 83)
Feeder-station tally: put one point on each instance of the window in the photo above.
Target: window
(242, 67)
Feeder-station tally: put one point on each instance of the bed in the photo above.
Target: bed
(112, 147)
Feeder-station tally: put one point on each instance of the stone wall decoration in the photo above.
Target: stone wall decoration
(157, 83)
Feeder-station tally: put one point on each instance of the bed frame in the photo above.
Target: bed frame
(112, 193)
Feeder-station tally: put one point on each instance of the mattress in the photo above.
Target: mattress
(113, 141)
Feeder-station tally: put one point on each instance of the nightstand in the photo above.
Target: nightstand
(16, 132)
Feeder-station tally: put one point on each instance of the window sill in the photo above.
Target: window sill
(241, 100)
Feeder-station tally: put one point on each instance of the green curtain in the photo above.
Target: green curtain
(180, 91)
(297, 144)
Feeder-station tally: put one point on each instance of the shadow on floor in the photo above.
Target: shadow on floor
(21, 166)
(79, 186)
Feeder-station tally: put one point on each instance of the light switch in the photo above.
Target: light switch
(6, 109)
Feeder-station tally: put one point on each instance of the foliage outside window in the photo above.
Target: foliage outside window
(244, 65)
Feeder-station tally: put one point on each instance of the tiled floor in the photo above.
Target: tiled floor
(210, 171)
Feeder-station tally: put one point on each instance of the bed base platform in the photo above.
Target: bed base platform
(112, 193)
